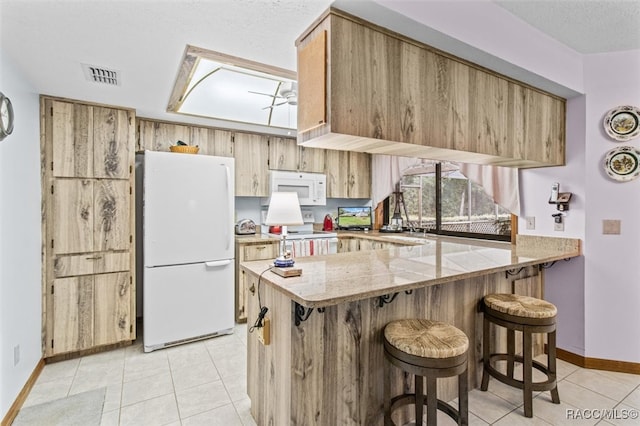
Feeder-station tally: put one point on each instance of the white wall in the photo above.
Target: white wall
(612, 276)
(20, 289)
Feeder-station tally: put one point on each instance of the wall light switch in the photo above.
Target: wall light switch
(611, 227)
(16, 354)
(531, 222)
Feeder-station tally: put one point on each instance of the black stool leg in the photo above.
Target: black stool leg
(387, 395)
(463, 400)
(419, 399)
(527, 372)
(432, 402)
(486, 353)
(511, 351)
(551, 365)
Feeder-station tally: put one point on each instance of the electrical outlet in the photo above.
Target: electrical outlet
(558, 226)
(531, 222)
(16, 354)
(264, 332)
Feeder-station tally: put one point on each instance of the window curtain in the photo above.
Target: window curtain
(386, 172)
(501, 183)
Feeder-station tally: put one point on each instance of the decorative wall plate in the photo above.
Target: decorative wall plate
(621, 163)
(622, 123)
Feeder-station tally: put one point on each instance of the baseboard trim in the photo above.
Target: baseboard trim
(598, 363)
(22, 396)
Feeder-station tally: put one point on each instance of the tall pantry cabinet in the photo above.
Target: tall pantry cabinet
(87, 225)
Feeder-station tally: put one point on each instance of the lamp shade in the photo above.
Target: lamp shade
(284, 209)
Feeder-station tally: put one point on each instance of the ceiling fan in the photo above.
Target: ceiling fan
(288, 91)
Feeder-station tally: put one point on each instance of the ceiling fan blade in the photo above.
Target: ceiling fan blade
(264, 94)
(275, 105)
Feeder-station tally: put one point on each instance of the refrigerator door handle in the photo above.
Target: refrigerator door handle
(230, 212)
(217, 263)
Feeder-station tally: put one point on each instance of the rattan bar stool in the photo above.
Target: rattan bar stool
(426, 349)
(528, 315)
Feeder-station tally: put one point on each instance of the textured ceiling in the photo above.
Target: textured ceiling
(48, 40)
(586, 26)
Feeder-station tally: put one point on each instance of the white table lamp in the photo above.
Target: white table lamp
(284, 210)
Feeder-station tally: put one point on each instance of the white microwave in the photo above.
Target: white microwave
(310, 187)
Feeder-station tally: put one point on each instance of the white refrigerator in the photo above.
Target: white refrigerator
(189, 265)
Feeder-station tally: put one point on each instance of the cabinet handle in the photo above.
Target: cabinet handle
(261, 247)
(93, 257)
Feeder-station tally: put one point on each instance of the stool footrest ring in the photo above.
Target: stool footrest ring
(410, 398)
(548, 384)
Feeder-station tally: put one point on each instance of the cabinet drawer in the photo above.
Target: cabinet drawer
(259, 252)
(91, 263)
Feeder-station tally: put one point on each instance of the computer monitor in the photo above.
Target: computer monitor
(354, 218)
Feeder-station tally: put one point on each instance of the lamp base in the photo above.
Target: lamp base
(283, 263)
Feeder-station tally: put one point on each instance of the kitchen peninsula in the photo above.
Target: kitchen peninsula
(324, 364)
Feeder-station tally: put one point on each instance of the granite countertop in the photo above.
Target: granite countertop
(337, 278)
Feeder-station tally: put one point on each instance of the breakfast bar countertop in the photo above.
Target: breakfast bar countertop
(333, 279)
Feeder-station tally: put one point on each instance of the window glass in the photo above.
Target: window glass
(465, 207)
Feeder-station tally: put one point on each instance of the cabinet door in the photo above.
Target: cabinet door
(72, 314)
(111, 135)
(73, 217)
(112, 308)
(259, 252)
(252, 174)
(336, 169)
(359, 181)
(283, 154)
(212, 141)
(250, 252)
(111, 203)
(312, 160)
(156, 136)
(71, 127)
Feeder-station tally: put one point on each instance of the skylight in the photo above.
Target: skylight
(219, 86)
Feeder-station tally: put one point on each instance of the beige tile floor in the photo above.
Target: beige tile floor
(204, 383)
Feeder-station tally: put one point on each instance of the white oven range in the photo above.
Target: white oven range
(309, 243)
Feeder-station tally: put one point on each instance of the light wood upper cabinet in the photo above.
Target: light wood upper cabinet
(311, 159)
(387, 94)
(348, 174)
(212, 141)
(252, 171)
(337, 171)
(159, 136)
(90, 141)
(286, 154)
(359, 181)
(283, 154)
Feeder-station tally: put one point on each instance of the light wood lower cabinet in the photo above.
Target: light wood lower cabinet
(89, 311)
(347, 244)
(246, 252)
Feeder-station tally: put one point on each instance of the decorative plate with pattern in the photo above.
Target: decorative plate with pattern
(621, 163)
(622, 123)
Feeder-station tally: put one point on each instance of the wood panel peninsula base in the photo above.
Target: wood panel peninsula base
(328, 369)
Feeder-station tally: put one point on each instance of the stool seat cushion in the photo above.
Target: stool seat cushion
(425, 338)
(520, 306)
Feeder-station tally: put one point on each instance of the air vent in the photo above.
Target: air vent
(101, 75)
